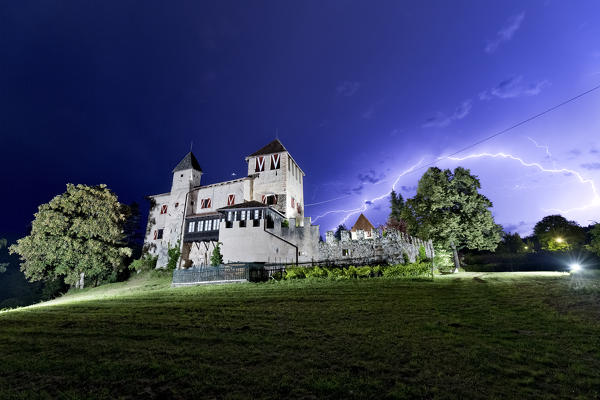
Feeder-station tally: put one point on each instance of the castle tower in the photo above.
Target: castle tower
(186, 174)
(173, 206)
(278, 180)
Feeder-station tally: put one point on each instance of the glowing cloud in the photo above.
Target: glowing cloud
(596, 196)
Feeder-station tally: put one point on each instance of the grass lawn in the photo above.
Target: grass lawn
(470, 335)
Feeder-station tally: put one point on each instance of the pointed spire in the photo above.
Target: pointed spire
(188, 162)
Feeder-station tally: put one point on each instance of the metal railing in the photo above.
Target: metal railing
(221, 273)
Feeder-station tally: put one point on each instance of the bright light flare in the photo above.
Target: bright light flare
(575, 267)
(559, 240)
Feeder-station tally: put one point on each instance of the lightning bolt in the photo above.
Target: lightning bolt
(539, 146)
(596, 196)
(367, 203)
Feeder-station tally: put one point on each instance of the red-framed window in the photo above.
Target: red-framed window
(264, 199)
(260, 164)
(293, 203)
(275, 158)
(205, 203)
(163, 209)
(158, 234)
(231, 199)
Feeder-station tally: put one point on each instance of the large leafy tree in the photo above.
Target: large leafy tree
(594, 245)
(77, 235)
(556, 233)
(449, 210)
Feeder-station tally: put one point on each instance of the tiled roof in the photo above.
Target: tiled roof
(274, 147)
(188, 162)
(363, 224)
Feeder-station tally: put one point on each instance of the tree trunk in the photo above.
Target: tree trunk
(81, 280)
(456, 260)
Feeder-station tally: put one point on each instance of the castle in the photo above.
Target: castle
(258, 218)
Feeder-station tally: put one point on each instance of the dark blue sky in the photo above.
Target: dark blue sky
(114, 92)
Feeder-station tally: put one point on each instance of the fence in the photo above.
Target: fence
(221, 273)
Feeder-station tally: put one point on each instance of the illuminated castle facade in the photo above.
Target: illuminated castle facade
(246, 216)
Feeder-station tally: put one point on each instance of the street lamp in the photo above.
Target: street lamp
(559, 240)
(575, 267)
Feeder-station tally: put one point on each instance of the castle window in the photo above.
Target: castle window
(345, 252)
(275, 161)
(205, 203)
(260, 164)
(191, 227)
(272, 199)
(293, 203)
(231, 199)
(200, 226)
(159, 234)
(163, 209)
(155, 235)
(264, 199)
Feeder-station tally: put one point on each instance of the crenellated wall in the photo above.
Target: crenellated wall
(382, 248)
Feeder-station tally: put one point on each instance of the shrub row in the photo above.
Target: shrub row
(418, 269)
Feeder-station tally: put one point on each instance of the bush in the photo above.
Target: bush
(406, 258)
(422, 254)
(295, 273)
(145, 263)
(443, 259)
(407, 270)
(174, 255)
(364, 272)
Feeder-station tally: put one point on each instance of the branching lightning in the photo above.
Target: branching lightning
(596, 196)
(367, 203)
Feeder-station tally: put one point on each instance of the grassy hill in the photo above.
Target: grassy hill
(503, 335)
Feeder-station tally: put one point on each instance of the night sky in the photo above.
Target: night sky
(359, 92)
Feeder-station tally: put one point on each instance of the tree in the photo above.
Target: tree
(594, 245)
(338, 231)
(449, 210)
(3, 265)
(77, 235)
(556, 233)
(396, 205)
(511, 243)
(395, 221)
(216, 258)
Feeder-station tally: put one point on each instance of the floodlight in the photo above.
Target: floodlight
(575, 267)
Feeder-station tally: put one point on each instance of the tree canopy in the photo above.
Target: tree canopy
(77, 232)
(556, 233)
(594, 245)
(395, 220)
(338, 231)
(449, 210)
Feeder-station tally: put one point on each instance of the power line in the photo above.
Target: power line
(511, 127)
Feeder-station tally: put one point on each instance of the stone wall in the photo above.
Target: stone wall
(382, 248)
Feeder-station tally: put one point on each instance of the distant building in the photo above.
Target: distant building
(363, 228)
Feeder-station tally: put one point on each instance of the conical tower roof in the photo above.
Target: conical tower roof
(188, 162)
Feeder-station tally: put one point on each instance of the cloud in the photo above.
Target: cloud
(408, 188)
(521, 226)
(505, 33)
(591, 166)
(441, 120)
(513, 87)
(347, 88)
(370, 177)
(369, 113)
